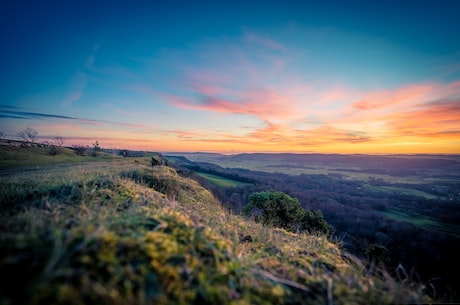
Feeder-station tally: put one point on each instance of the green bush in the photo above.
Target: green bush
(281, 210)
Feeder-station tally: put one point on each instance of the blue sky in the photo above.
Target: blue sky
(298, 76)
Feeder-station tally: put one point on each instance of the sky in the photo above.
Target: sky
(373, 77)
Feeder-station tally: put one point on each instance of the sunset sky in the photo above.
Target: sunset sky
(292, 76)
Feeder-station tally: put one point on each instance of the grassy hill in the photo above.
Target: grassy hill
(117, 231)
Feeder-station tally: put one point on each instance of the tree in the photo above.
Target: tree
(95, 149)
(274, 208)
(2, 134)
(313, 221)
(58, 141)
(28, 134)
(281, 210)
(96, 146)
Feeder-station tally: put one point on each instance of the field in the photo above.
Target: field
(324, 163)
(221, 181)
(423, 222)
(394, 173)
(400, 190)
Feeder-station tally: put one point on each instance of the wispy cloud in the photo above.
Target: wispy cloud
(33, 115)
(436, 119)
(265, 104)
(264, 41)
(25, 115)
(406, 96)
(77, 87)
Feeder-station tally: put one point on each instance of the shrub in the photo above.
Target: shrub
(53, 150)
(281, 210)
(79, 150)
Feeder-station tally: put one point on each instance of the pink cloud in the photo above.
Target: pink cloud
(407, 96)
(440, 118)
(265, 104)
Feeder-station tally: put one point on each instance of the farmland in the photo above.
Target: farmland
(221, 181)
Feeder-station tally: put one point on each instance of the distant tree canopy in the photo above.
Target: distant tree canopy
(281, 210)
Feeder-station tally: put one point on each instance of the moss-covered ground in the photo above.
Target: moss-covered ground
(122, 232)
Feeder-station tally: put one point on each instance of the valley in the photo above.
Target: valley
(410, 205)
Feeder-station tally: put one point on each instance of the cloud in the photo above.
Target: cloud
(265, 104)
(406, 96)
(9, 107)
(33, 115)
(263, 41)
(90, 60)
(435, 119)
(24, 115)
(77, 87)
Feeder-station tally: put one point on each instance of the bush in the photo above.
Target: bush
(281, 210)
(79, 150)
(53, 150)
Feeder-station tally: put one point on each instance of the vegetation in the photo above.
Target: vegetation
(407, 205)
(120, 231)
(221, 181)
(281, 210)
(36, 157)
(28, 134)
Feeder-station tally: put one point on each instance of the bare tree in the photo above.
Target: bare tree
(59, 141)
(28, 134)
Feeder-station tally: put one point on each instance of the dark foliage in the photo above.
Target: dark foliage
(281, 210)
(79, 150)
(53, 150)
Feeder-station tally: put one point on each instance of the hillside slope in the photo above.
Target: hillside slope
(123, 232)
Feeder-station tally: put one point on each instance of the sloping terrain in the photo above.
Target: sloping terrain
(124, 232)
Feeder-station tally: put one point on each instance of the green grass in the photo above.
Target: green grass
(423, 221)
(122, 232)
(14, 157)
(221, 181)
(399, 190)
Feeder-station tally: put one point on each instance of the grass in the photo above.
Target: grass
(122, 232)
(400, 190)
(14, 157)
(424, 222)
(221, 181)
